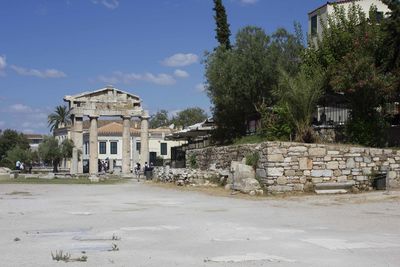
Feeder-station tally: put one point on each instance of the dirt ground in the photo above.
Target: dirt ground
(142, 224)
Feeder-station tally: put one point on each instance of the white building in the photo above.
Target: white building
(110, 142)
(321, 13)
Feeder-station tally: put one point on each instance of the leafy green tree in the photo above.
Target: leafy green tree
(17, 154)
(189, 117)
(60, 117)
(51, 152)
(299, 95)
(274, 124)
(10, 139)
(222, 30)
(351, 55)
(159, 119)
(391, 48)
(241, 78)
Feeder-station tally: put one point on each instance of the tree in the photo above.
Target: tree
(299, 95)
(189, 117)
(60, 117)
(17, 154)
(222, 30)
(391, 30)
(10, 139)
(241, 78)
(159, 119)
(51, 152)
(352, 57)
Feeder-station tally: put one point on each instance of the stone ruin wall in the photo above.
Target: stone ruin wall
(287, 167)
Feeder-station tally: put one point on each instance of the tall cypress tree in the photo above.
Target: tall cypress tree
(222, 29)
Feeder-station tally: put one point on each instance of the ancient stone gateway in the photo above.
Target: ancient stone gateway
(109, 102)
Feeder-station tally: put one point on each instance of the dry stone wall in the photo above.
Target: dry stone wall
(286, 167)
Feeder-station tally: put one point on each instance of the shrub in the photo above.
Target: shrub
(252, 159)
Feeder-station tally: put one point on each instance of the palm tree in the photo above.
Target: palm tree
(61, 116)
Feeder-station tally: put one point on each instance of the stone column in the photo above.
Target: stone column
(94, 149)
(144, 139)
(126, 145)
(78, 142)
(74, 160)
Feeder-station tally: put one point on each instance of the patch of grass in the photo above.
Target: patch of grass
(252, 159)
(251, 139)
(114, 247)
(23, 193)
(61, 181)
(66, 257)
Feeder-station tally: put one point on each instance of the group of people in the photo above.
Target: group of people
(138, 168)
(103, 165)
(20, 166)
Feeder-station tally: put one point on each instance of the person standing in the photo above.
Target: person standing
(17, 165)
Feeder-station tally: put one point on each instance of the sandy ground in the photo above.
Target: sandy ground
(159, 226)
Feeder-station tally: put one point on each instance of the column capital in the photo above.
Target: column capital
(145, 115)
(94, 117)
(126, 117)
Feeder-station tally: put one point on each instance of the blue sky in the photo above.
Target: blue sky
(151, 48)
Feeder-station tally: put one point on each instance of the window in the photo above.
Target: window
(102, 147)
(379, 16)
(164, 149)
(314, 25)
(138, 147)
(114, 148)
(86, 148)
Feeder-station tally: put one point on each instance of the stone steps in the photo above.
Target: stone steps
(334, 188)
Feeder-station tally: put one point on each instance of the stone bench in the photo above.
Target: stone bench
(14, 174)
(334, 188)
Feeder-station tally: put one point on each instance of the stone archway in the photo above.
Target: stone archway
(110, 102)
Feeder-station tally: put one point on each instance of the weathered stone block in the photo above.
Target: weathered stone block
(366, 171)
(298, 187)
(375, 151)
(350, 163)
(275, 158)
(332, 165)
(317, 180)
(298, 149)
(290, 173)
(321, 173)
(281, 181)
(275, 171)
(361, 178)
(357, 150)
(261, 173)
(247, 185)
(317, 151)
(333, 152)
(337, 172)
(305, 164)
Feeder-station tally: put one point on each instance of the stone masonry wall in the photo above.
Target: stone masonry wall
(285, 167)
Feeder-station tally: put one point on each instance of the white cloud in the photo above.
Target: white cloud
(181, 73)
(128, 78)
(248, 2)
(20, 108)
(201, 87)
(180, 60)
(3, 64)
(110, 4)
(48, 73)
